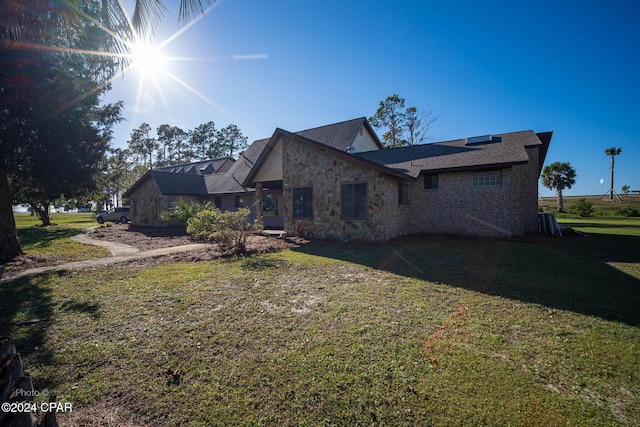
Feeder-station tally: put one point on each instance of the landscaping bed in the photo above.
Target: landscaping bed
(143, 238)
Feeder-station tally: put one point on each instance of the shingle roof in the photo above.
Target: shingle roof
(221, 164)
(338, 135)
(507, 149)
(172, 183)
(234, 179)
(179, 183)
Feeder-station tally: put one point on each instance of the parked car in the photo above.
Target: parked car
(121, 214)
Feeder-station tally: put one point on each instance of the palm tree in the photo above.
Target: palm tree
(612, 152)
(558, 176)
(18, 18)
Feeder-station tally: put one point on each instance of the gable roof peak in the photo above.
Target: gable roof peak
(340, 135)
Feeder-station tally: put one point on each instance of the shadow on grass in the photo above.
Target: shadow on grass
(573, 273)
(25, 315)
(44, 236)
(81, 307)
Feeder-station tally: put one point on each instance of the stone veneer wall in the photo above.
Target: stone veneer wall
(306, 165)
(144, 204)
(147, 203)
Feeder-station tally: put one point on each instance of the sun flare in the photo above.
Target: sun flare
(147, 58)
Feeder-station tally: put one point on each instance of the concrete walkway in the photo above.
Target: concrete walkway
(120, 252)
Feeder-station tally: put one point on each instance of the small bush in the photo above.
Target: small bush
(582, 208)
(628, 211)
(204, 225)
(229, 229)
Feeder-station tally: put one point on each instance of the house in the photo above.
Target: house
(337, 182)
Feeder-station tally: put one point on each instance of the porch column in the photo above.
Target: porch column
(260, 215)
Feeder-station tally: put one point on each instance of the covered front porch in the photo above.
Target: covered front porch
(271, 210)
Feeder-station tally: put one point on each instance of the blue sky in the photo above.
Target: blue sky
(568, 67)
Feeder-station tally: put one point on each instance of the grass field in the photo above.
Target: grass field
(82, 220)
(53, 244)
(602, 205)
(421, 331)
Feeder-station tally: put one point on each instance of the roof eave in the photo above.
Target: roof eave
(137, 184)
(474, 167)
(545, 139)
(262, 158)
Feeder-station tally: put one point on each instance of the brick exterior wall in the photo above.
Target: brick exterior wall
(457, 207)
(529, 198)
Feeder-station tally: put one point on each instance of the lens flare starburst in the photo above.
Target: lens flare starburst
(136, 52)
(147, 58)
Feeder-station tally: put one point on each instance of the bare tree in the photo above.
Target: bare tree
(402, 126)
(419, 125)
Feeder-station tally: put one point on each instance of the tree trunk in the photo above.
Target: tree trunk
(611, 189)
(43, 214)
(560, 200)
(9, 244)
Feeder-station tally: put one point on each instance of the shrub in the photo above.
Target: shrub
(582, 208)
(182, 210)
(204, 225)
(628, 211)
(229, 229)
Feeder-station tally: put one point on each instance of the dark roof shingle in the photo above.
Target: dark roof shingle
(233, 180)
(336, 135)
(219, 165)
(508, 149)
(179, 183)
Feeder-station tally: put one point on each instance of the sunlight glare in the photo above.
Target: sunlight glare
(147, 58)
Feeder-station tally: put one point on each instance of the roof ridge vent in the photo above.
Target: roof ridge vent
(482, 139)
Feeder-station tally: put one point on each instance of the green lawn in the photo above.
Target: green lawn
(617, 226)
(52, 245)
(82, 220)
(423, 331)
